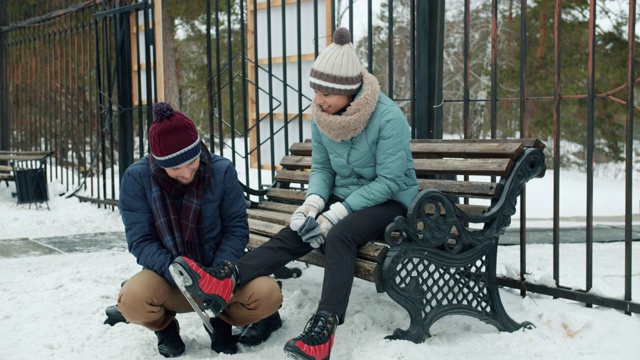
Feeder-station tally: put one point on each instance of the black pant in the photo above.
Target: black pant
(340, 250)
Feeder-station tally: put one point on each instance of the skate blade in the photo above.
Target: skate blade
(177, 273)
(293, 356)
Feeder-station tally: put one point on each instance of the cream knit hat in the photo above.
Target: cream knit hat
(337, 70)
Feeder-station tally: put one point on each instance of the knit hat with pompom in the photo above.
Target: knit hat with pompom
(173, 138)
(337, 70)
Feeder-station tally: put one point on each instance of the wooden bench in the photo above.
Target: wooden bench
(9, 157)
(441, 258)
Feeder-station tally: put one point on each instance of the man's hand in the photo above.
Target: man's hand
(310, 208)
(327, 219)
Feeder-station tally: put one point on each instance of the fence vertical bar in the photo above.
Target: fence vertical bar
(285, 81)
(556, 140)
(628, 211)
(465, 70)
(4, 119)
(390, 51)
(523, 104)
(494, 69)
(590, 141)
(232, 117)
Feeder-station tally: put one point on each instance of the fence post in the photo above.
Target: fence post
(4, 119)
(125, 94)
(429, 52)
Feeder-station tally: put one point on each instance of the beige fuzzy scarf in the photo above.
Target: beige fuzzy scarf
(355, 118)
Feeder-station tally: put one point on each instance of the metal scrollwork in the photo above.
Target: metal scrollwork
(436, 266)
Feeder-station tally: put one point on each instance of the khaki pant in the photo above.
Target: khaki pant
(147, 299)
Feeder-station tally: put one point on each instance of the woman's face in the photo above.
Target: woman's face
(185, 173)
(330, 103)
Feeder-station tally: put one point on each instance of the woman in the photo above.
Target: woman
(362, 177)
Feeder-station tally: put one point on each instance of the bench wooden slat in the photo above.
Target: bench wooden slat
(276, 206)
(17, 155)
(286, 195)
(469, 188)
(27, 152)
(292, 176)
(465, 189)
(489, 167)
(452, 149)
(296, 162)
(301, 148)
(264, 228)
(270, 216)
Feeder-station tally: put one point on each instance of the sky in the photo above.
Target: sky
(53, 294)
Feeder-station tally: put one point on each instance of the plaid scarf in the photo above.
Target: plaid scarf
(181, 234)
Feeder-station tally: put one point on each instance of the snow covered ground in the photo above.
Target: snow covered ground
(52, 305)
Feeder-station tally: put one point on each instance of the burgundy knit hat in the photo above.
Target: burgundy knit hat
(173, 138)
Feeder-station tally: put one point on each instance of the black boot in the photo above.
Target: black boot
(169, 342)
(256, 333)
(221, 339)
(114, 316)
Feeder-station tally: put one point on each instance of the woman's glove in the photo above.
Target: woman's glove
(327, 219)
(311, 207)
(310, 232)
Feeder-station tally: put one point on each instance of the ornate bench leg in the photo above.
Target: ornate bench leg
(431, 284)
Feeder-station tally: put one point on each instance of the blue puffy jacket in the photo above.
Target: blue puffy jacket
(224, 214)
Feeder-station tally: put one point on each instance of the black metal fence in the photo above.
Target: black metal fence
(78, 78)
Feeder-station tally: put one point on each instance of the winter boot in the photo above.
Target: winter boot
(212, 286)
(316, 340)
(256, 333)
(114, 316)
(169, 342)
(221, 339)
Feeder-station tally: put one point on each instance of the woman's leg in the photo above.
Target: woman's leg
(284, 247)
(340, 250)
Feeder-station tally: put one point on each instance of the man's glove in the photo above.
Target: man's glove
(327, 219)
(310, 232)
(310, 208)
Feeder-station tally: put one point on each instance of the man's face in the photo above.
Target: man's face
(186, 173)
(330, 103)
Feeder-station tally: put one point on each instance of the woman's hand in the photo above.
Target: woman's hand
(329, 218)
(311, 207)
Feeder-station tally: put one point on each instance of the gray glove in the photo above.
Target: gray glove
(311, 233)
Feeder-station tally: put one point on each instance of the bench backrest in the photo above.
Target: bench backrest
(451, 166)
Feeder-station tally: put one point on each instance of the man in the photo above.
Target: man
(181, 200)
